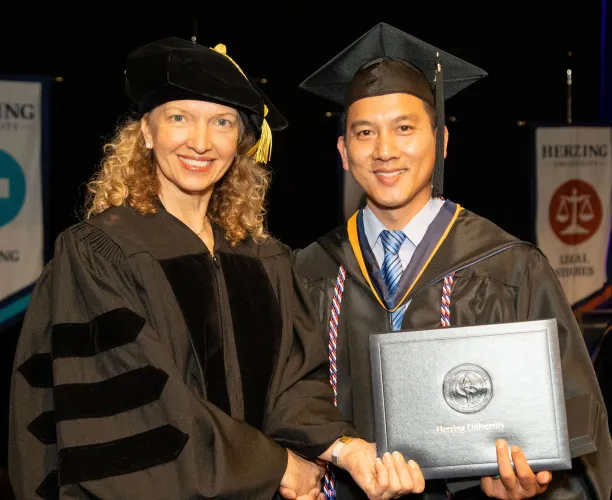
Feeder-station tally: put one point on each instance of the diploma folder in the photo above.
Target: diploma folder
(443, 397)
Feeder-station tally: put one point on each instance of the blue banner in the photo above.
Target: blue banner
(23, 172)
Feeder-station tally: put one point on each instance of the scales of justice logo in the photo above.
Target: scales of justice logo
(467, 388)
(575, 212)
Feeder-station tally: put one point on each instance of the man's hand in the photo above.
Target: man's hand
(510, 485)
(390, 477)
(302, 479)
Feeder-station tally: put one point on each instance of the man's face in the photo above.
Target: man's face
(389, 148)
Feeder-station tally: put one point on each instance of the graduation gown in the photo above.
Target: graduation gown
(497, 279)
(147, 368)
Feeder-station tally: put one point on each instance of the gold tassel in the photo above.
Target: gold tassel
(261, 152)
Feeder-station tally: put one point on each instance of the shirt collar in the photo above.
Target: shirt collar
(415, 229)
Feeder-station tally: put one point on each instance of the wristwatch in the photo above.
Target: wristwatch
(335, 454)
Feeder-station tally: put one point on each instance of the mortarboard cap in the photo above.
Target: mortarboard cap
(175, 69)
(385, 60)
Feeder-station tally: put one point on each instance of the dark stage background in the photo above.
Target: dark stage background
(523, 45)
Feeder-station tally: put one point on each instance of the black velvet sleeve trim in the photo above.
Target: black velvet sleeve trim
(37, 371)
(43, 428)
(106, 331)
(118, 394)
(122, 456)
(49, 488)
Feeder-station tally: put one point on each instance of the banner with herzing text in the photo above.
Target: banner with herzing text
(21, 193)
(574, 184)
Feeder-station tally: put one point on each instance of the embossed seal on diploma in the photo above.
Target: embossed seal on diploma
(467, 388)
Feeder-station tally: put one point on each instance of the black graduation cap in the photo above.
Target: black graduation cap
(386, 60)
(176, 69)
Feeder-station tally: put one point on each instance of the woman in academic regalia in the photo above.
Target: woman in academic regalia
(167, 351)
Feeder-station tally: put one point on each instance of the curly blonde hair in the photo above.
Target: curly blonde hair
(128, 176)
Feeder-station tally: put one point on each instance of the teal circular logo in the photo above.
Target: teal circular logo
(12, 188)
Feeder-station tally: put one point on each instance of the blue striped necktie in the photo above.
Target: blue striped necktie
(392, 268)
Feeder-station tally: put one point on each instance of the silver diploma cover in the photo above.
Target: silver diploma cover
(443, 397)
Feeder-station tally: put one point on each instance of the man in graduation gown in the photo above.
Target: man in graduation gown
(412, 260)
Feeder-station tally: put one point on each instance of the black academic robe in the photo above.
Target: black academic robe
(497, 279)
(146, 368)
